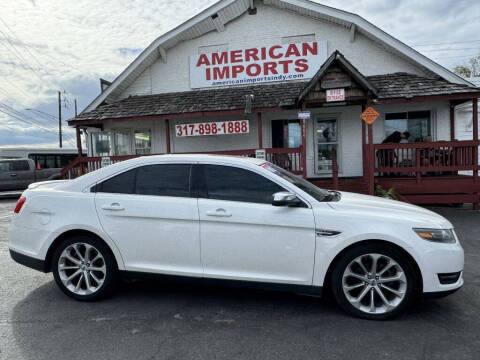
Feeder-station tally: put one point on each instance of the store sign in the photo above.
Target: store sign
(105, 161)
(335, 95)
(261, 154)
(304, 115)
(213, 128)
(297, 61)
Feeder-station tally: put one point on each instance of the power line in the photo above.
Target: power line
(457, 49)
(449, 43)
(20, 116)
(18, 55)
(16, 37)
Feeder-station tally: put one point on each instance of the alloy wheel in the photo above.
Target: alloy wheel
(374, 283)
(81, 268)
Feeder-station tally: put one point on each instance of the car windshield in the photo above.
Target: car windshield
(308, 187)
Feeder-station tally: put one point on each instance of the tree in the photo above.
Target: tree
(469, 70)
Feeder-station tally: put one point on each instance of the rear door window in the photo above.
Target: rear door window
(20, 165)
(164, 180)
(157, 180)
(5, 166)
(123, 183)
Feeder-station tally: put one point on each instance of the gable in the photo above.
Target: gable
(163, 67)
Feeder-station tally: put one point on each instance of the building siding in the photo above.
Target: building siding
(271, 25)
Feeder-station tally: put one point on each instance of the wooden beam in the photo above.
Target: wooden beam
(163, 54)
(173, 116)
(353, 30)
(452, 122)
(402, 100)
(304, 148)
(260, 129)
(79, 140)
(475, 149)
(167, 135)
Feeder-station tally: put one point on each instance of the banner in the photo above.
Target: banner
(298, 61)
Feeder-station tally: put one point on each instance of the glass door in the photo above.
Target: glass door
(326, 139)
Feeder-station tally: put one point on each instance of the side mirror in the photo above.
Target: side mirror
(284, 198)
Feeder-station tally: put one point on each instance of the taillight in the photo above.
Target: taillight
(19, 205)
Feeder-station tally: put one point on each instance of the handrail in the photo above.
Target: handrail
(418, 158)
(289, 159)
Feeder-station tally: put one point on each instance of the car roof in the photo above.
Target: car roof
(88, 179)
(199, 157)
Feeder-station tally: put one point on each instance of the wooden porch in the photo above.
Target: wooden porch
(288, 159)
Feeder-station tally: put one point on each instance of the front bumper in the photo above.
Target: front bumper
(436, 262)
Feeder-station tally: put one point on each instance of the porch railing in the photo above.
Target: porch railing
(415, 159)
(288, 159)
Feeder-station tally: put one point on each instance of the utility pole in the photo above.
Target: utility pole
(76, 108)
(60, 118)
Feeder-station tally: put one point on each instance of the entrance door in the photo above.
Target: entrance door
(149, 214)
(326, 140)
(245, 237)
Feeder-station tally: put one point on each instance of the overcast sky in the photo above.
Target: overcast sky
(67, 45)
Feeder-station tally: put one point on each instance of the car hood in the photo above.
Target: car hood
(381, 208)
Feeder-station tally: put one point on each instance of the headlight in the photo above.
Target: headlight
(437, 235)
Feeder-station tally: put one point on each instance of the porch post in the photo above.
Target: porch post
(79, 140)
(475, 149)
(260, 129)
(452, 122)
(304, 148)
(167, 134)
(364, 145)
(371, 161)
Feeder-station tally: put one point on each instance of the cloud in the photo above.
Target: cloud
(67, 45)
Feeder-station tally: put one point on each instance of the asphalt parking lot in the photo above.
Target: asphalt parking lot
(158, 320)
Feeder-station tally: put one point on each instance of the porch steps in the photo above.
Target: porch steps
(355, 185)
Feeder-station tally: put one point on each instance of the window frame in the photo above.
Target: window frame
(327, 117)
(431, 128)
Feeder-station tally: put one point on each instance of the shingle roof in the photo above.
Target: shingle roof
(233, 98)
(397, 85)
(403, 85)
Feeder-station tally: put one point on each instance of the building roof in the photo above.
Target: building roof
(216, 16)
(338, 58)
(403, 85)
(285, 94)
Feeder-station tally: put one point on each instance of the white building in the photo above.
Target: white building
(253, 65)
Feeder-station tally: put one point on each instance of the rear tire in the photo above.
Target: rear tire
(84, 268)
(374, 281)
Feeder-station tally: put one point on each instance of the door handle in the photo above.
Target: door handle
(13, 175)
(219, 213)
(113, 207)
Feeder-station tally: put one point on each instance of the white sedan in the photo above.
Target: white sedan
(238, 220)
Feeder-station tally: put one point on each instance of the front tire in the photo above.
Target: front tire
(374, 281)
(84, 268)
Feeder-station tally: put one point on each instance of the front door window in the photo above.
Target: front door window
(143, 142)
(326, 140)
(286, 134)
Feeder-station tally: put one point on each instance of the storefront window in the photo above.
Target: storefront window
(417, 123)
(286, 134)
(326, 141)
(101, 144)
(122, 142)
(143, 142)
